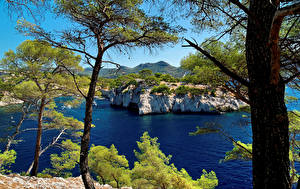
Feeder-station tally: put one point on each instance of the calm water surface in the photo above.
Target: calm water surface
(123, 128)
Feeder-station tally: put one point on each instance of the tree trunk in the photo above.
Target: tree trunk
(268, 111)
(17, 131)
(55, 140)
(85, 140)
(38, 138)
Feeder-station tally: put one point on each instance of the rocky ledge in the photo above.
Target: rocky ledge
(14, 181)
(144, 102)
(7, 100)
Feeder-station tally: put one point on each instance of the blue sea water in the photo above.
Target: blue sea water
(123, 128)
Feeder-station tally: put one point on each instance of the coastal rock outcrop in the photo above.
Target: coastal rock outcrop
(14, 181)
(144, 102)
(7, 100)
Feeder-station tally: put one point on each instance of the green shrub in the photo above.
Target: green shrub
(123, 80)
(145, 73)
(213, 92)
(182, 90)
(197, 92)
(167, 78)
(133, 82)
(6, 159)
(152, 80)
(191, 79)
(44, 175)
(164, 89)
(110, 167)
(157, 75)
(154, 170)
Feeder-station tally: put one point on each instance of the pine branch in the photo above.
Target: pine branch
(223, 68)
(292, 9)
(292, 77)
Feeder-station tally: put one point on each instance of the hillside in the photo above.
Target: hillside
(161, 67)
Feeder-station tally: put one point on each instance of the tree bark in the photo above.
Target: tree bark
(268, 111)
(34, 170)
(55, 140)
(85, 140)
(17, 131)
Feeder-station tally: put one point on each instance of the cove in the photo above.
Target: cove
(123, 128)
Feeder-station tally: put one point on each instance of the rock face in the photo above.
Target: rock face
(6, 100)
(21, 182)
(141, 100)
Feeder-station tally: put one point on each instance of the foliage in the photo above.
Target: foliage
(203, 70)
(163, 89)
(240, 151)
(157, 75)
(207, 180)
(57, 120)
(192, 79)
(152, 80)
(294, 119)
(290, 99)
(64, 162)
(110, 167)
(124, 80)
(41, 69)
(76, 102)
(107, 24)
(145, 73)
(167, 78)
(153, 169)
(22, 8)
(105, 83)
(203, 130)
(6, 159)
(182, 90)
(197, 91)
(44, 73)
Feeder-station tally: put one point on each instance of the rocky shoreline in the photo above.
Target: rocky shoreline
(7, 100)
(16, 181)
(141, 100)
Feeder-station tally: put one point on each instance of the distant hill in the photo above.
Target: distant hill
(161, 67)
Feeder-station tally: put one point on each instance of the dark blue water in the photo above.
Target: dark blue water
(123, 128)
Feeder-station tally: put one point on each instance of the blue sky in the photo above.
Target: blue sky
(10, 39)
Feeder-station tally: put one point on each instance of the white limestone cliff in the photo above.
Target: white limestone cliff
(146, 103)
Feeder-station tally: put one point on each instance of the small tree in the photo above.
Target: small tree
(153, 169)
(110, 167)
(152, 80)
(64, 162)
(107, 24)
(145, 73)
(6, 159)
(162, 89)
(43, 70)
(268, 55)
